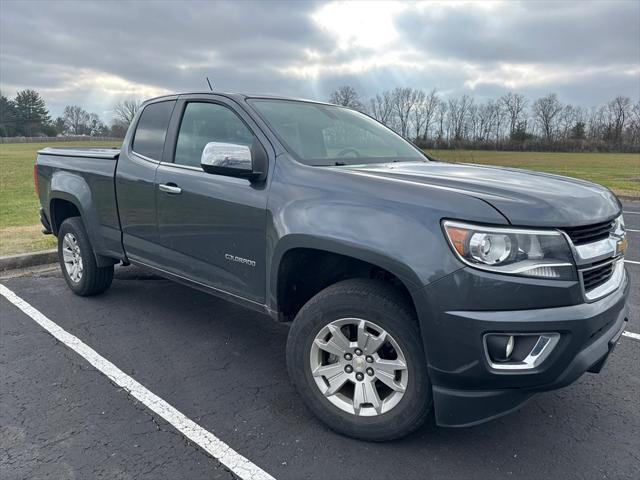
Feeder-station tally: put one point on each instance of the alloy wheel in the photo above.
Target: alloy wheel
(359, 367)
(72, 257)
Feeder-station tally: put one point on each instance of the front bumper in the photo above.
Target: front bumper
(466, 389)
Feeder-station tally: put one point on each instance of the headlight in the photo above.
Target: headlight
(620, 234)
(514, 251)
(619, 229)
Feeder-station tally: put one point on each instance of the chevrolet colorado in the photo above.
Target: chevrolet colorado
(411, 285)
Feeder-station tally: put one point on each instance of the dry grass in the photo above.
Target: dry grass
(26, 238)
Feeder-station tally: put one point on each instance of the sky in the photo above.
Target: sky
(94, 54)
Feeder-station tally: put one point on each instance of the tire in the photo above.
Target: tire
(74, 246)
(344, 306)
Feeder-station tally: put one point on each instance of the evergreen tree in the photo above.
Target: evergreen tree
(31, 113)
(578, 131)
(520, 133)
(60, 126)
(7, 117)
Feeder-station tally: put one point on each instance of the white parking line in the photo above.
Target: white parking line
(632, 213)
(632, 230)
(635, 336)
(215, 447)
(632, 261)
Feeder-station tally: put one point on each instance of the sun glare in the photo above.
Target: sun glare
(359, 24)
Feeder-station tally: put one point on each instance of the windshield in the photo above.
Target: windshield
(327, 135)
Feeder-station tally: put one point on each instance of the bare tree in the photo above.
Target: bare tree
(346, 96)
(75, 119)
(486, 119)
(404, 101)
(546, 111)
(595, 122)
(510, 121)
(125, 110)
(95, 125)
(458, 111)
(381, 107)
(566, 120)
(441, 116)
(424, 112)
(471, 123)
(618, 111)
(431, 104)
(633, 129)
(515, 105)
(499, 116)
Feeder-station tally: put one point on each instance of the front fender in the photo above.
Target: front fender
(395, 227)
(386, 238)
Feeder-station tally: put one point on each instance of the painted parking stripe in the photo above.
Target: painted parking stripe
(635, 336)
(632, 261)
(632, 213)
(215, 447)
(632, 230)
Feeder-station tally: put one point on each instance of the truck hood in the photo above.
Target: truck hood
(525, 198)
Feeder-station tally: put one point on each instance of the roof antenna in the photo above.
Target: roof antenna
(209, 83)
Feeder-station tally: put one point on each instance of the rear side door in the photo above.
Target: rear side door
(211, 227)
(141, 154)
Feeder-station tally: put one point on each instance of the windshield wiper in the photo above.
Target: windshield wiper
(334, 164)
(409, 161)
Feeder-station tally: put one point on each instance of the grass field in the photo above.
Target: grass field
(618, 171)
(20, 226)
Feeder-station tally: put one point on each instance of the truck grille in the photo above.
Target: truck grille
(589, 233)
(596, 276)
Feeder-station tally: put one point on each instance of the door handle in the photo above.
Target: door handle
(169, 188)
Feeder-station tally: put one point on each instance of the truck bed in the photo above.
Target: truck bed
(89, 172)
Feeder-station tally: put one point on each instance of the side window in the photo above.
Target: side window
(152, 130)
(208, 122)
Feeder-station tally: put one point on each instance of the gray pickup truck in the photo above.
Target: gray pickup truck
(411, 285)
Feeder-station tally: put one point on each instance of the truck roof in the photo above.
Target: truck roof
(238, 96)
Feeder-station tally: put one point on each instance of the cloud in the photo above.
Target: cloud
(529, 32)
(95, 53)
(365, 24)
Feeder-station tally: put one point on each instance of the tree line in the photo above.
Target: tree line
(26, 115)
(510, 122)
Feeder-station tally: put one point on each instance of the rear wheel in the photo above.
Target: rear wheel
(78, 262)
(355, 355)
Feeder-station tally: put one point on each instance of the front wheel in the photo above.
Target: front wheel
(355, 355)
(78, 262)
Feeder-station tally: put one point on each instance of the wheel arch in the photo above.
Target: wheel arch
(70, 195)
(331, 261)
(61, 207)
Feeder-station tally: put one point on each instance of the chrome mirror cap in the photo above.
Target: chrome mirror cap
(226, 159)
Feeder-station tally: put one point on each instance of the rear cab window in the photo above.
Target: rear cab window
(151, 130)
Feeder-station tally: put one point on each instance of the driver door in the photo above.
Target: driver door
(211, 227)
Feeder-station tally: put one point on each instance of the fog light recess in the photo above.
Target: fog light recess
(500, 347)
(507, 351)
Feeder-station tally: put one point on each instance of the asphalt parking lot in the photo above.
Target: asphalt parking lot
(223, 367)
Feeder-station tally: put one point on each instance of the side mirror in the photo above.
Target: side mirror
(235, 160)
